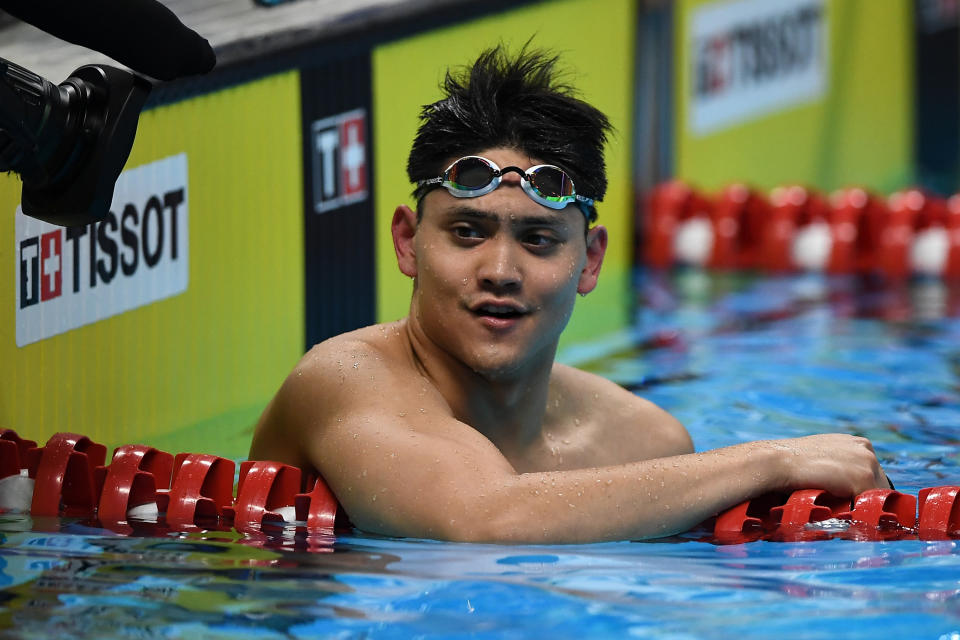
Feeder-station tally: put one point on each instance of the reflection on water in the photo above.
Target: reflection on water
(734, 357)
(70, 577)
(81, 582)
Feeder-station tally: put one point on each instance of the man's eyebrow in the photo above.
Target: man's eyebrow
(469, 212)
(550, 220)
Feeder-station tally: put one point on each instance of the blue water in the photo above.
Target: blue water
(734, 357)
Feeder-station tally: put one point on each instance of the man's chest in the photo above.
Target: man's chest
(581, 447)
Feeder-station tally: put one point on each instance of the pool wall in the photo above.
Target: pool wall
(252, 220)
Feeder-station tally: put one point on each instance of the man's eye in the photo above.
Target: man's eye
(539, 240)
(467, 233)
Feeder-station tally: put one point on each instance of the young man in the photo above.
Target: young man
(455, 422)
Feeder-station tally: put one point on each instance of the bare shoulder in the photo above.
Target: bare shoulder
(327, 382)
(619, 416)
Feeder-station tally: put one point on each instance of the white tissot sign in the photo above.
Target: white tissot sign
(753, 57)
(67, 277)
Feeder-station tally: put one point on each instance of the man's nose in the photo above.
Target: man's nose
(499, 268)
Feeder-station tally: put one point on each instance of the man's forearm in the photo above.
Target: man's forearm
(646, 499)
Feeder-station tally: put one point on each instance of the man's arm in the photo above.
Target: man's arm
(401, 465)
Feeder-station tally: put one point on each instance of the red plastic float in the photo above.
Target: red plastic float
(671, 206)
(808, 506)
(64, 474)
(13, 452)
(883, 508)
(739, 218)
(202, 488)
(319, 508)
(133, 478)
(939, 512)
(263, 489)
(749, 519)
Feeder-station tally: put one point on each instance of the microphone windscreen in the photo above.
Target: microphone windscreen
(142, 34)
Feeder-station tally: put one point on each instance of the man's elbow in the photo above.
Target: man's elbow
(676, 439)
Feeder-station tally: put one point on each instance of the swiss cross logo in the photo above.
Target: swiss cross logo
(339, 160)
(50, 262)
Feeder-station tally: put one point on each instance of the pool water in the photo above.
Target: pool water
(734, 357)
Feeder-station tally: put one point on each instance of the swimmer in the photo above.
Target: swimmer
(455, 422)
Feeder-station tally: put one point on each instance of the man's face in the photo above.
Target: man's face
(497, 275)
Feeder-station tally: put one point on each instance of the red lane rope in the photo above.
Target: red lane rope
(194, 491)
(189, 490)
(796, 228)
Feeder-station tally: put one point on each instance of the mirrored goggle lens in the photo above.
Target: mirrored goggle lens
(551, 183)
(470, 173)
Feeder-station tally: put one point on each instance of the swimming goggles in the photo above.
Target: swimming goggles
(474, 176)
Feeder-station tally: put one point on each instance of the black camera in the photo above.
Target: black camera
(68, 142)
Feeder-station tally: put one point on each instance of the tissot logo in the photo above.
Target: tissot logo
(339, 160)
(752, 57)
(69, 277)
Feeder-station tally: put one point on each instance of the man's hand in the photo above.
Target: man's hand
(841, 464)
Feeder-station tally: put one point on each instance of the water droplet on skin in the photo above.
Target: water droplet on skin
(363, 474)
(373, 498)
(565, 441)
(576, 421)
(402, 414)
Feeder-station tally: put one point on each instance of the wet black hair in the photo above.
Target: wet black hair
(515, 102)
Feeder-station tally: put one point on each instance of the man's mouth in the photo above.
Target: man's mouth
(503, 311)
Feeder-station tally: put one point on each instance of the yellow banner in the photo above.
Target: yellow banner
(817, 92)
(186, 364)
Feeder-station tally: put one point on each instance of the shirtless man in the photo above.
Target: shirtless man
(455, 422)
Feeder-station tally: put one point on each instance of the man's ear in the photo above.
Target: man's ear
(404, 229)
(596, 249)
